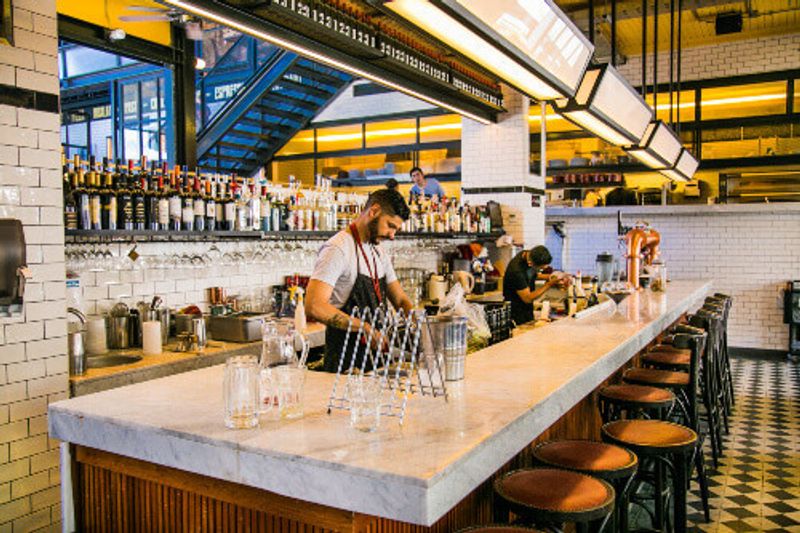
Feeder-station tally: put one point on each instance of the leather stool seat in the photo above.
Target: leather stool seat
(656, 378)
(638, 394)
(668, 348)
(655, 436)
(671, 359)
(554, 495)
(599, 459)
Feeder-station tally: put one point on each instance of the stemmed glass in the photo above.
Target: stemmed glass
(617, 289)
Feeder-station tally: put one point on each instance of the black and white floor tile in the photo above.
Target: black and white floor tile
(757, 484)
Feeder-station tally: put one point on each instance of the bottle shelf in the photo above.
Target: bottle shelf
(90, 236)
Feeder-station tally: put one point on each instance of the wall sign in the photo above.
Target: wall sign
(311, 16)
(6, 23)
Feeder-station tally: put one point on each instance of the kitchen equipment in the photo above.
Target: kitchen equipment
(466, 280)
(96, 343)
(151, 337)
(241, 392)
(437, 287)
(117, 328)
(14, 271)
(445, 338)
(198, 329)
(604, 267)
(216, 295)
(791, 316)
(75, 347)
(462, 265)
(183, 323)
(239, 327)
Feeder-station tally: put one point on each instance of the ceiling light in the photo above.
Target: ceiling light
(659, 148)
(684, 168)
(608, 106)
(316, 56)
(530, 44)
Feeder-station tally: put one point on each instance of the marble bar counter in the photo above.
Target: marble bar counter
(416, 473)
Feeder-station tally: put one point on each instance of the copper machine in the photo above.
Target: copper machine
(641, 244)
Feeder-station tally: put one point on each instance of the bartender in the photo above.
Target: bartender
(353, 270)
(520, 278)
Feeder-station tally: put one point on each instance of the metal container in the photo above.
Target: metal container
(75, 346)
(199, 332)
(445, 337)
(183, 323)
(604, 266)
(118, 329)
(159, 315)
(242, 327)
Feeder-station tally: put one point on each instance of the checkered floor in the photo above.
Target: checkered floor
(757, 485)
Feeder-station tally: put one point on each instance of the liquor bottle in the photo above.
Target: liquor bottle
(211, 207)
(187, 204)
(163, 200)
(124, 199)
(254, 206)
(175, 205)
(108, 199)
(151, 199)
(229, 206)
(82, 201)
(266, 211)
(93, 186)
(241, 209)
(198, 204)
(137, 196)
(219, 195)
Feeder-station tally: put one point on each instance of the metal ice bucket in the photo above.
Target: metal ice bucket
(445, 338)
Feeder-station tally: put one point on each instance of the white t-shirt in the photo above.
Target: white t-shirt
(336, 265)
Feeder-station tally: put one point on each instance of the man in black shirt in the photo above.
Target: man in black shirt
(519, 282)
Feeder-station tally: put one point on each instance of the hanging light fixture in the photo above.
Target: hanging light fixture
(684, 168)
(608, 106)
(530, 44)
(659, 149)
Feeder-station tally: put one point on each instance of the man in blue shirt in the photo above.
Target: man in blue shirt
(425, 186)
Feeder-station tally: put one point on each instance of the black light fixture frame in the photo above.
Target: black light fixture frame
(473, 23)
(573, 106)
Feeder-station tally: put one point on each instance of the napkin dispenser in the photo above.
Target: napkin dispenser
(13, 266)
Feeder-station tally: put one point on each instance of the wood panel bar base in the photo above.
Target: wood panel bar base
(119, 494)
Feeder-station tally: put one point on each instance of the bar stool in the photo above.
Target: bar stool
(552, 496)
(726, 363)
(610, 463)
(634, 401)
(667, 444)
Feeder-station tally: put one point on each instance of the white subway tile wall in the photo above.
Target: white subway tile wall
(33, 360)
(750, 256)
(349, 107)
(498, 155)
(750, 56)
(165, 269)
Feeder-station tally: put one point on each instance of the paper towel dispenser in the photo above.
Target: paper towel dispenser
(13, 267)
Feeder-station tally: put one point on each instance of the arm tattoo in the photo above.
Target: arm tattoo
(337, 321)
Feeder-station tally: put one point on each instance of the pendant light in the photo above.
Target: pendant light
(684, 168)
(530, 44)
(659, 149)
(608, 106)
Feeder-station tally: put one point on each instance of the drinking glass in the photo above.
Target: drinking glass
(241, 392)
(364, 394)
(288, 381)
(617, 290)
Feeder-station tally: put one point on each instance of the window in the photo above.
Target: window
(347, 137)
(391, 132)
(440, 128)
(755, 99)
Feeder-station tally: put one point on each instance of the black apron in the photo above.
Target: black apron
(362, 296)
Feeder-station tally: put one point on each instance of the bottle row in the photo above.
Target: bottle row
(115, 196)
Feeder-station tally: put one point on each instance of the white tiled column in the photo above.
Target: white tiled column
(33, 347)
(495, 165)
